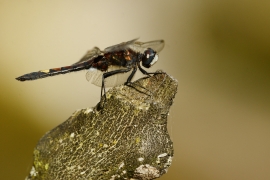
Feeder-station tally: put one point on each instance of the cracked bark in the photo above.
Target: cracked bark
(124, 137)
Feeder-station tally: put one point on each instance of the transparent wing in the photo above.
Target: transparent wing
(90, 55)
(123, 45)
(156, 45)
(95, 77)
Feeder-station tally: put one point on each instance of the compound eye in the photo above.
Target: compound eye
(149, 58)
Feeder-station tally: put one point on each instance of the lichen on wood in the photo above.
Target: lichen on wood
(124, 137)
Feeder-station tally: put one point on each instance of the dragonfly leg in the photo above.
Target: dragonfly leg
(131, 76)
(108, 74)
(147, 73)
(128, 83)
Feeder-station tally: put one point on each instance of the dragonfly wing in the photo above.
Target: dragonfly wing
(93, 74)
(121, 46)
(93, 53)
(116, 79)
(95, 77)
(156, 45)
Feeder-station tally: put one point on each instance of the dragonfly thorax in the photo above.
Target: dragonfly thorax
(149, 58)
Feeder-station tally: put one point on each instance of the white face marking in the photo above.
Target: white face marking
(147, 56)
(154, 60)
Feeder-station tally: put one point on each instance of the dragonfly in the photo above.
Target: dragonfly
(113, 66)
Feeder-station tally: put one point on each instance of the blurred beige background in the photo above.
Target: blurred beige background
(218, 50)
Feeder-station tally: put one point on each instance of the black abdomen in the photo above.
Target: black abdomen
(55, 71)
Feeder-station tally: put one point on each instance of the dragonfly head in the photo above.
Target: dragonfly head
(149, 58)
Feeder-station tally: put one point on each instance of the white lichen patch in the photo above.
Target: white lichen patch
(88, 110)
(105, 145)
(92, 150)
(147, 172)
(140, 159)
(33, 172)
(72, 135)
(162, 155)
(144, 106)
(114, 176)
(169, 162)
(121, 165)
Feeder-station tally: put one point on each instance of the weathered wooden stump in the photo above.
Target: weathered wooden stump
(123, 137)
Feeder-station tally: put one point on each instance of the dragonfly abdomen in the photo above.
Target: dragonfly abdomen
(32, 76)
(55, 71)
